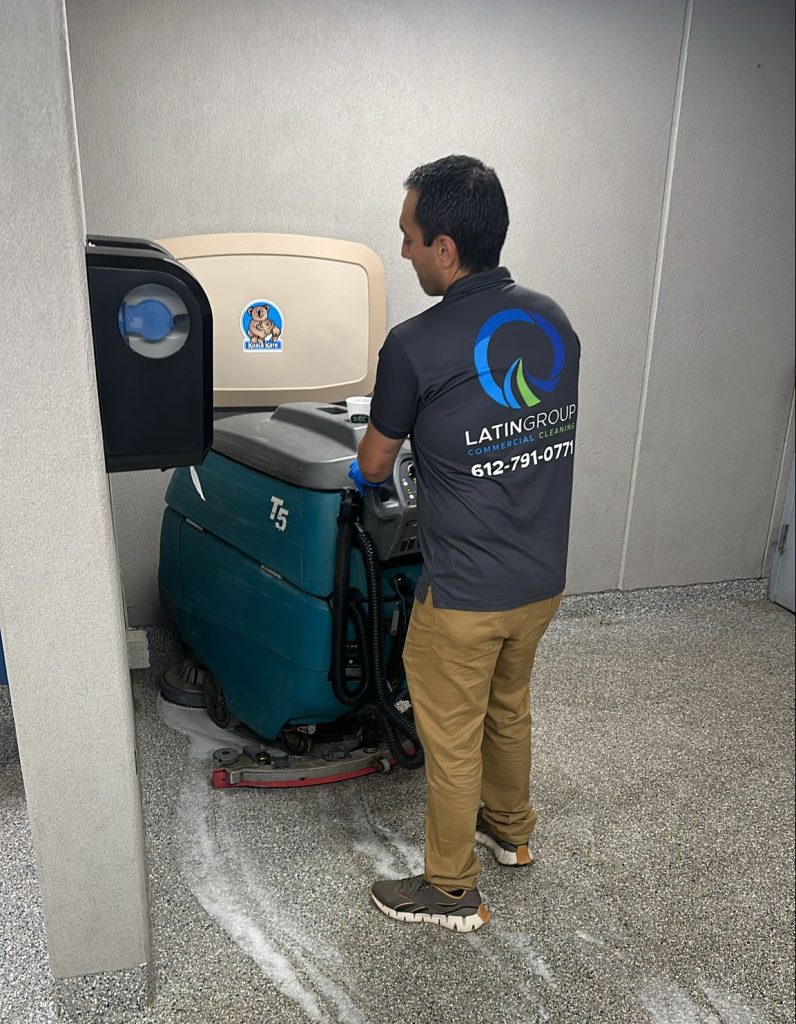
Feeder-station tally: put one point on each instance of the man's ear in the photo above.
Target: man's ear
(447, 253)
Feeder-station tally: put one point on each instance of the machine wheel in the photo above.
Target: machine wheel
(296, 742)
(182, 684)
(215, 702)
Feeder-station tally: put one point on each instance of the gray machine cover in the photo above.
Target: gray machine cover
(303, 443)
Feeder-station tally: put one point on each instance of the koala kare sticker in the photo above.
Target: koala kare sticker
(262, 323)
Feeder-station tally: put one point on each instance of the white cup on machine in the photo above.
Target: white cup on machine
(358, 408)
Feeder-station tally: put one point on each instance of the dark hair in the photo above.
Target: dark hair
(461, 197)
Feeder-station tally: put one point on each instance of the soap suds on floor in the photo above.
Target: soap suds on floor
(250, 916)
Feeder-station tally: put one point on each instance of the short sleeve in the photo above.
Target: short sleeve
(393, 407)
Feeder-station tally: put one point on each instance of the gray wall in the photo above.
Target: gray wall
(60, 598)
(721, 359)
(646, 150)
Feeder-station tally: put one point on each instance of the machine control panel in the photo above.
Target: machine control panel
(389, 513)
(408, 481)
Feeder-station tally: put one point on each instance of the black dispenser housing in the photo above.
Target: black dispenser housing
(153, 348)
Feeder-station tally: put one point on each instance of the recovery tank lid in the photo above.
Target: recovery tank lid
(307, 444)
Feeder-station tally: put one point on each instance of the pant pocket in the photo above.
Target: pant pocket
(555, 604)
(420, 636)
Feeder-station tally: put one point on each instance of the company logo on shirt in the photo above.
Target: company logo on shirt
(518, 388)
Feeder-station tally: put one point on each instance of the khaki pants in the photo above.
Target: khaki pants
(468, 675)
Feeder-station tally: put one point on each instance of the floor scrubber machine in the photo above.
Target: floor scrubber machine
(293, 595)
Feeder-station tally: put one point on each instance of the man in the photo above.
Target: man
(485, 382)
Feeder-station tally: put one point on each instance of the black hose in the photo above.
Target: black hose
(359, 618)
(341, 605)
(395, 666)
(393, 724)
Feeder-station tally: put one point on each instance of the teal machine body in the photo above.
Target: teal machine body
(248, 561)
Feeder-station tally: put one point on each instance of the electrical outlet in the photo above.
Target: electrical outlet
(137, 648)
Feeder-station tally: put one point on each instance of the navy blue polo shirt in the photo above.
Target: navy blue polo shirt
(486, 385)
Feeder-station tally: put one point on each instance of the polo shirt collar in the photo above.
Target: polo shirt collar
(478, 282)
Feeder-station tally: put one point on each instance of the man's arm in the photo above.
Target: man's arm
(393, 409)
(377, 454)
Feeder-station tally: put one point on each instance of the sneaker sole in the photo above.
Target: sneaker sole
(454, 922)
(503, 856)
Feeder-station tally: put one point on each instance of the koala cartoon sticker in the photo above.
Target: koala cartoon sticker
(262, 324)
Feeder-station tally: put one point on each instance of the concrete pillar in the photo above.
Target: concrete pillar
(60, 599)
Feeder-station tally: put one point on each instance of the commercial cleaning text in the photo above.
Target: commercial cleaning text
(519, 432)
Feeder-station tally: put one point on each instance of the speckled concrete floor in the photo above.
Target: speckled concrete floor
(662, 889)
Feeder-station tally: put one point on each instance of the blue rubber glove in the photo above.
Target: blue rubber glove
(355, 473)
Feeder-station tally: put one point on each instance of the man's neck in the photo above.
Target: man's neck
(458, 274)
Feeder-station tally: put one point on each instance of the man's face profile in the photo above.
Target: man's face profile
(422, 257)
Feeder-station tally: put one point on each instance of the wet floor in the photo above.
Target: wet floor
(662, 887)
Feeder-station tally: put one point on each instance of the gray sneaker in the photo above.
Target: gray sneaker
(505, 853)
(415, 899)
